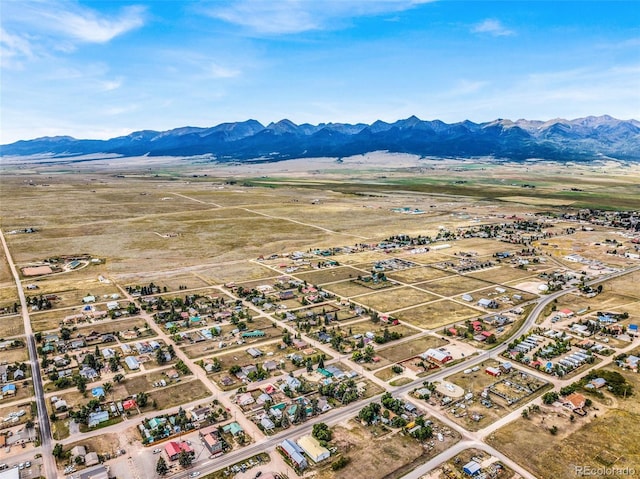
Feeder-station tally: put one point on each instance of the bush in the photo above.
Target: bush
(339, 463)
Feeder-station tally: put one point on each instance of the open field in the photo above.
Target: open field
(407, 349)
(505, 274)
(454, 285)
(436, 314)
(419, 274)
(396, 298)
(378, 452)
(330, 275)
(181, 393)
(348, 289)
(11, 326)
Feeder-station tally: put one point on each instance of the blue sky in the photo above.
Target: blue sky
(97, 69)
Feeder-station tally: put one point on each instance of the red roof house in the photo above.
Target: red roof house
(173, 449)
(129, 404)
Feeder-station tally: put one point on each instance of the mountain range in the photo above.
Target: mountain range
(582, 139)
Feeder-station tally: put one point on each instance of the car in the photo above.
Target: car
(194, 474)
(258, 474)
(21, 466)
(157, 451)
(27, 464)
(188, 442)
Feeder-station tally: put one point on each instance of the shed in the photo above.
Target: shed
(471, 468)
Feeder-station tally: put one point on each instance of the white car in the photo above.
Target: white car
(194, 474)
(157, 451)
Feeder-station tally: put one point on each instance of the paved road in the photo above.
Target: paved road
(43, 418)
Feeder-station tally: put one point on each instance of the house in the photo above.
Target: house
(292, 383)
(565, 313)
(88, 373)
(112, 305)
(233, 428)
(244, 399)
(491, 371)
(597, 383)
(78, 451)
(477, 325)
(129, 404)
(89, 299)
(173, 449)
(172, 373)
(294, 453)
(312, 448)
(212, 439)
(467, 297)
(91, 459)
(323, 404)
(263, 398)
(60, 405)
(284, 295)
(96, 418)
(267, 423)
(436, 356)
(199, 414)
(270, 366)
(575, 402)
(300, 344)
(132, 362)
(632, 362)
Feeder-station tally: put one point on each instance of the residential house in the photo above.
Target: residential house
(212, 439)
(575, 402)
(132, 362)
(436, 356)
(233, 428)
(96, 418)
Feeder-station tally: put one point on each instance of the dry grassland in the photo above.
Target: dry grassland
(182, 393)
(11, 326)
(437, 314)
(418, 275)
(454, 285)
(347, 289)
(397, 298)
(505, 274)
(407, 349)
(330, 275)
(19, 355)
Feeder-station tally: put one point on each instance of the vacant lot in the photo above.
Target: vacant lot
(181, 393)
(11, 326)
(397, 298)
(407, 349)
(330, 275)
(419, 275)
(436, 314)
(593, 444)
(454, 285)
(504, 274)
(347, 289)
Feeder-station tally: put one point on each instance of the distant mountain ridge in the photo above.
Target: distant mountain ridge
(582, 139)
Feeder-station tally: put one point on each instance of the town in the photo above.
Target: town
(439, 335)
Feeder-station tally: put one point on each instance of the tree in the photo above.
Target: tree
(57, 451)
(142, 398)
(185, 459)
(321, 432)
(550, 397)
(284, 422)
(118, 377)
(321, 362)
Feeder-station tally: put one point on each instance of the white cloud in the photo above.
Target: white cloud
(493, 27)
(12, 48)
(295, 16)
(218, 71)
(110, 85)
(86, 25)
(58, 25)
